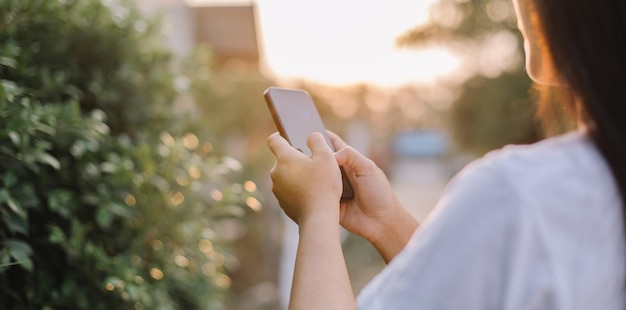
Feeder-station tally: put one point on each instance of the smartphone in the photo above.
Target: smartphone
(296, 117)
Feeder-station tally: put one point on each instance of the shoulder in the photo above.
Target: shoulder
(572, 153)
(548, 162)
(502, 195)
(561, 154)
(566, 168)
(520, 178)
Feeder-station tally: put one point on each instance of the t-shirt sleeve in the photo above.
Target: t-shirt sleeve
(459, 258)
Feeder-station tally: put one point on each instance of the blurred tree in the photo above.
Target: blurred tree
(230, 108)
(107, 200)
(493, 106)
(228, 95)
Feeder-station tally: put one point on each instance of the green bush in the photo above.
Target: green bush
(107, 201)
(108, 56)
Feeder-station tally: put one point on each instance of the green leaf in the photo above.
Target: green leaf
(16, 207)
(21, 252)
(49, 160)
(18, 245)
(3, 265)
(46, 129)
(56, 234)
(4, 195)
(8, 62)
(119, 209)
(104, 218)
(108, 167)
(15, 223)
(62, 202)
(9, 179)
(10, 88)
(15, 137)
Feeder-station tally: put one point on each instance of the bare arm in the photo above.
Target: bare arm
(320, 277)
(393, 233)
(309, 190)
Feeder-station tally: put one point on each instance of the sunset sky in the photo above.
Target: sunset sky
(345, 41)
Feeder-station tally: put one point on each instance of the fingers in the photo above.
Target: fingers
(318, 146)
(348, 157)
(283, 150)
(278, 145)
(354, 160)
(338, 143)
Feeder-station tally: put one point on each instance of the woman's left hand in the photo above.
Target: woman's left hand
(306, 185)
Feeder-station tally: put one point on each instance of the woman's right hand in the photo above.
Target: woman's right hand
(374, 213)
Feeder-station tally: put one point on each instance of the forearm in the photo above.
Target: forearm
(393, 233)
(320, 277)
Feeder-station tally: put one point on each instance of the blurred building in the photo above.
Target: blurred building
(230, 31)
(178, 23)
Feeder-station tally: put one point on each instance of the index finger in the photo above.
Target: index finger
(337, 142)
(318, 146)
(278, 145)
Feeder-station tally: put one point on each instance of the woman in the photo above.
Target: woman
(526, 227)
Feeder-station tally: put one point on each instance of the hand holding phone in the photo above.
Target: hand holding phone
(296, 117)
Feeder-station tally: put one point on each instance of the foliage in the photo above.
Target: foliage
(494, 112)
(458, 21)
(493, 107)
(106, 200)
(107, 56)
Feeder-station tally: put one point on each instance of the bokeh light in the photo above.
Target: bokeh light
(130, 200)
(254, 204)
(167, 139)
(177, 198)
(156, 273)
(205, 246)
(249, 186)
(217, 195)
(191, 141)
(195, 172)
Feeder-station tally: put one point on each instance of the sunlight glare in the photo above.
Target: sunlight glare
(347, 42)
(344, 42)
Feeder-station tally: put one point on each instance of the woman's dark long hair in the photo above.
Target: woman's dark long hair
(587, 43)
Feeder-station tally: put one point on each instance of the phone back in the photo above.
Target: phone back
(296, 116)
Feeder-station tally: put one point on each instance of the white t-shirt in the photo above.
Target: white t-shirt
(527, 227)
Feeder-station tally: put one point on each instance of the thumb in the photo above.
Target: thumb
(351, 158)
(318, 146)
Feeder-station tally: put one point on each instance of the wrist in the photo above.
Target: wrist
(392, 233)
(320, 214)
